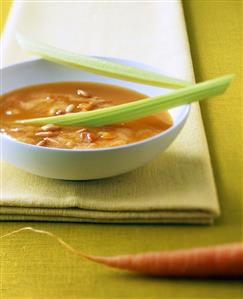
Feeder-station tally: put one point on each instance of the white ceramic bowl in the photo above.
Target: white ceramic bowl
(82, 164)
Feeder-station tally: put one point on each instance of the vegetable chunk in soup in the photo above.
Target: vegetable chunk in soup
(70, 97)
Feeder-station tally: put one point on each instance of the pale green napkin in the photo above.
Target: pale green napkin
(178, 185)
(143, 195)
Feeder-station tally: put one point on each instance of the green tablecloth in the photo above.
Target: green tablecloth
(35, 267)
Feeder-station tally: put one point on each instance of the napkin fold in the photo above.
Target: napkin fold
(176, 187)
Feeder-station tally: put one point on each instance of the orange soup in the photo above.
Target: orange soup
(70, 97)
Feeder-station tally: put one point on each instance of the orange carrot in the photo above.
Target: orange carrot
(222, 261)
(218, 261)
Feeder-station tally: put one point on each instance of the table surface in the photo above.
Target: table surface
(36, 267)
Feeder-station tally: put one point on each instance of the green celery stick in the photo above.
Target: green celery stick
(140, 108)
(99, 66)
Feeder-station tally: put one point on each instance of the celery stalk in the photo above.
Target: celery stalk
(99, 66)
(140, 108)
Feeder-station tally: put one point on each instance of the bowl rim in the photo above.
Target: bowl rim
(180, 120)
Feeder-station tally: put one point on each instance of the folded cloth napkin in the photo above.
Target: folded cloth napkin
(177, 186)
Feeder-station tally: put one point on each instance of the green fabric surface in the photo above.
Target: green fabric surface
(36, 267)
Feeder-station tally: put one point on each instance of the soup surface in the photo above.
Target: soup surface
(70, 97)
